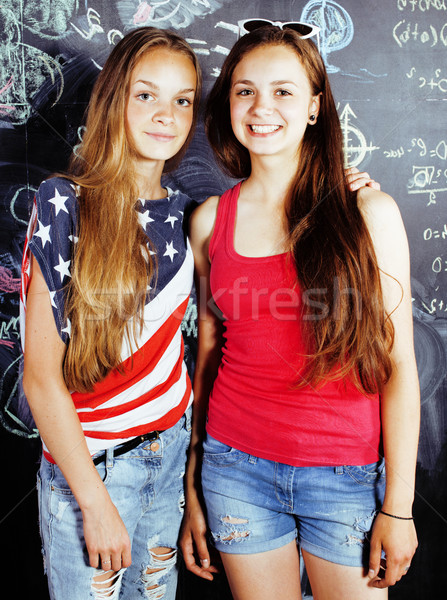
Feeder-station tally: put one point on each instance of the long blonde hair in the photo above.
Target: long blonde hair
(112, 265)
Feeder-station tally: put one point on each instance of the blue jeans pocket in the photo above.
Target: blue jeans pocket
(369, 475)
(219, 454)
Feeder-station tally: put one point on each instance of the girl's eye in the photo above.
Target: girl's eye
(145, 96)
(283, 93)
(184, 102)
(244, 92)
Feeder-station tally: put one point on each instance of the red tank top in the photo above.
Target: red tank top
(253, 405)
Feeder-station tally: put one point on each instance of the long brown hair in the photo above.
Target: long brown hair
(112, 265)
(349, 333)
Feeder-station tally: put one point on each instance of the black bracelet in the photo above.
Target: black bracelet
(396, 517)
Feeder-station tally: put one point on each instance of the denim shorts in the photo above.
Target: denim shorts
(146, 486)
(255, 505)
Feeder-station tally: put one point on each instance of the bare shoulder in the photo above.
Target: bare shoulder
(201, 226)
(207, 208)
(386, 228)
(379, 210)
(376, 204)
(203, 217)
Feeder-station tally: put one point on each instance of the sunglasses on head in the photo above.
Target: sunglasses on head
(304, 30)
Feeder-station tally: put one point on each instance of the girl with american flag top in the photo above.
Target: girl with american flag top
(107, 273)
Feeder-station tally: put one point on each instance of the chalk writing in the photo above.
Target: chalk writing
(436, 81)
(434, 234)
(436, 305)
(439, 264)
(428, 180)
(431, 35)
(421, 5)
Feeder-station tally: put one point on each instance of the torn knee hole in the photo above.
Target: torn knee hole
(161, 555)
(162, 560)
(106, 584)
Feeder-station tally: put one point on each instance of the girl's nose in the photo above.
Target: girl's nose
(262, 105)
(163, 114)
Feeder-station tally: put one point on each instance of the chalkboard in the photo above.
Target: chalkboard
(388, 69)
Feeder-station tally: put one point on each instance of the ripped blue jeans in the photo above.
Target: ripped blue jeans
(255, 505)
(146, 486)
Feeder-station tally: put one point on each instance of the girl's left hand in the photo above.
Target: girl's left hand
(398, 540)
(357, 179)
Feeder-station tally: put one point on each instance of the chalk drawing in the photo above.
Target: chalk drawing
(8, 283)
(48, 19)
(337, 28)
(93, 26)
(23, 69)
(428, 181)
(166, 13)
(355, 146)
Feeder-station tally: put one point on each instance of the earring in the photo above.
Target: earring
(312, 118)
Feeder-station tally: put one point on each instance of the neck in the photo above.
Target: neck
(272, 176)
(148, 180)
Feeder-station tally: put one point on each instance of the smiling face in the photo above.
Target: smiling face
(159, 110)
(271, 102)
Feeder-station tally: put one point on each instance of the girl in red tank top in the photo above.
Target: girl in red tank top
(305, 343)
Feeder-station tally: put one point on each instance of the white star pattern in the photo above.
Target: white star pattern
(165, 237)
(144, 219)
(170, 251)
(54, 231)
(52, 294)
(59, 202)
(171, 220)
(63, 268)
(67, 329)
(43, 233)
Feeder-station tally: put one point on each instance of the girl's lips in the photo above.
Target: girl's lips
(263, 129)
(160, 137)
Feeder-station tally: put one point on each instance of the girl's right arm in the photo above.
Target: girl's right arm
(193, 536)
(56, 418)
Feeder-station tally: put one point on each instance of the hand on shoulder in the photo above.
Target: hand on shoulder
(357, 179)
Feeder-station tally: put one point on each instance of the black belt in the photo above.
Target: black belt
(130, 445)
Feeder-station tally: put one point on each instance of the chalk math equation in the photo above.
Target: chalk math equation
(431, 82)
(426, 180)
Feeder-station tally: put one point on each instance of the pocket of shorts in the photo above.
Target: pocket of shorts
(218, 453)
(372, 474)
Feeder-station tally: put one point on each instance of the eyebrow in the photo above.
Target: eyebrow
(277, 82)
(154, 86)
